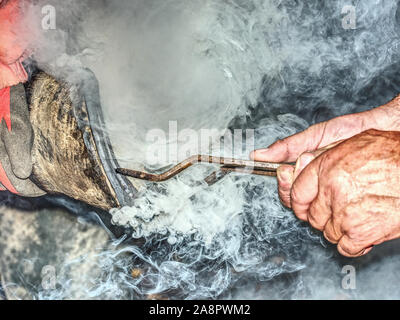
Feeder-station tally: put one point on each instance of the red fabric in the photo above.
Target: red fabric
(5, 114)
(6, 182)
(14, 41)
(5, 107)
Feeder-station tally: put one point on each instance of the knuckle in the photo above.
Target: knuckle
(301, 211)
(348, 247)
(301, 216)
(328, 236)
(315, 222)
(331, 233)
(352, 233)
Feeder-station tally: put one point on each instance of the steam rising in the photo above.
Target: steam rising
(276, 66)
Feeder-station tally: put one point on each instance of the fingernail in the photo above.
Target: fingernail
(255, 153)
(304, 161)
(264, 150)
(299, 164)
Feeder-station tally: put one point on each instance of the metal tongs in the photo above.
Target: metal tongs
(228, 165)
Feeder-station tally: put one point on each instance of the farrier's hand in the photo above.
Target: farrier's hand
(351, 192)
(15, 146)
(324, 135)
(304, 146)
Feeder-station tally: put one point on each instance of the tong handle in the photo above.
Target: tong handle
(228, 164)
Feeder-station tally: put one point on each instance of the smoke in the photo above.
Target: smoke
(275, 66)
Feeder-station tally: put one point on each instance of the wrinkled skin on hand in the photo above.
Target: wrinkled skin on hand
(346, 178)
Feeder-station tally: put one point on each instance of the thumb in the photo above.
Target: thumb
(306, 186)
(290, 148)
(303, 161)
(307, 157)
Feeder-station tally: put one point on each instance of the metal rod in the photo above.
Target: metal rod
(216, 176)
(224, 171)
(236, 165)
(247, 171)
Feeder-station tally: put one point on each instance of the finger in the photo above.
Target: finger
(303, 161)
(349, 248)
(332, 233)
(18, 140)
(285, 181)
(320, 213)
(305, 189)
(289, 149)
(320, 151)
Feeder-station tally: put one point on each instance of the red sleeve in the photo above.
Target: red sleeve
(5, 115)
(5, 107)
(13, 43)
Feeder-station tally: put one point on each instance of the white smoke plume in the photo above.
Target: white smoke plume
(275, 66)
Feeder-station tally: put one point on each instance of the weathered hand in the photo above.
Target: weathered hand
(324, 135)
(355, 175)
(351, 192)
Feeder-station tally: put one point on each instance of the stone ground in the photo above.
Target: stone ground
(35, 238)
